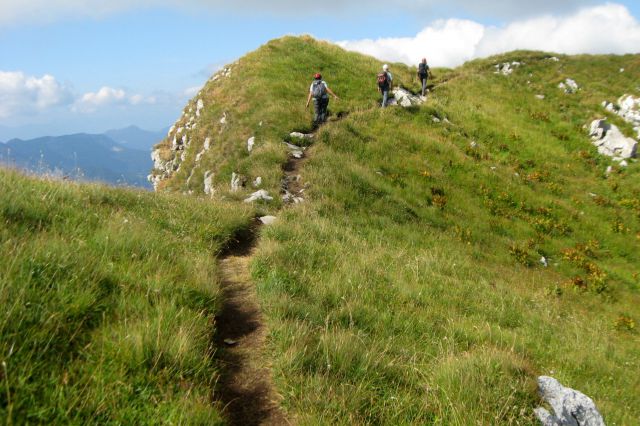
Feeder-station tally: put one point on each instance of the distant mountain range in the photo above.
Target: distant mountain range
(117, 157)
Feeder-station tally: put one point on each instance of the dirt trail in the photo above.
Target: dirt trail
(245, 389)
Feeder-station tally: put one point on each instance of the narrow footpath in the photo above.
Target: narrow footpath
(245, 389)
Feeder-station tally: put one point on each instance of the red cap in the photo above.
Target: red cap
(317, 76)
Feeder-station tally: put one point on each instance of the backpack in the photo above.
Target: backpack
(319, 89)
(383, 80)
(422, 69)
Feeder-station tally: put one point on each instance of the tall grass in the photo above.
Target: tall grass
(108, 298)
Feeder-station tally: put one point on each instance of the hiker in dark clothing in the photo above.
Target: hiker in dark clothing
(385, 83)
(423, 74)
(319, 91)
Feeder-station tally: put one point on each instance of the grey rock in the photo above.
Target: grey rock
(237, 182)
(405, 98)
(268, 220)
(208, 183)
(257, 182)
(569, 86)
(259, 195)
(506, 68)
(299, 135)
(611, 142)
(570, 407)
(250, 143)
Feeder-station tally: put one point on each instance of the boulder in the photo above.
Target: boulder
(405, 98)
(570, 407)
(259, 195)
(250, 143)
(611, 142)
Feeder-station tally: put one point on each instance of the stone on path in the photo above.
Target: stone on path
(268, 220)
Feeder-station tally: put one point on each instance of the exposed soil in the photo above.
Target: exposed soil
(245, 389)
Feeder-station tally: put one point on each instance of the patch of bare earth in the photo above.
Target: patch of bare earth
(245, 389)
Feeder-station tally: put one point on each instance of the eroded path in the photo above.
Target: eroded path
(245, 389)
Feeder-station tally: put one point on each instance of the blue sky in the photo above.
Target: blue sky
(80, 65)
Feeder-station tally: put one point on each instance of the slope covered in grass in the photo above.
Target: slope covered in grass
(408, 287)
(108, 298)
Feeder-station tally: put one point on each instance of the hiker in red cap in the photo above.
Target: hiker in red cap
(319, 91)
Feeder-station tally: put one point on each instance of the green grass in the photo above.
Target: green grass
(108, 298)
(407, 289)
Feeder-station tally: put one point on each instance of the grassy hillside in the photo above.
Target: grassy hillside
(408, 288)
(108, 298)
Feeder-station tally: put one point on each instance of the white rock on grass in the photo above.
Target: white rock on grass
(257, 183)
(237, 182)
(570, 407)
(208, 183)
(250, 143)
(405, 98)
(299, 135)
(199, 107)
(569, 86)
(294, 150)
(223, 120)
(506, 68)
(611, 142)
(541, 97)
(268, 220)
(553, 59)
(259, 195)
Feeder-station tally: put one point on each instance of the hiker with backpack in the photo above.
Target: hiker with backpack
(385, 83)
(319, 91)
(424, 72)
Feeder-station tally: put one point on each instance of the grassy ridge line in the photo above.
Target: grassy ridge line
(107, 302)
(264, 96)
(408, 290)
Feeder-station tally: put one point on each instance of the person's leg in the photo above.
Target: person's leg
(385, 96)
(325, 107)
(317, 108)
(424, 85)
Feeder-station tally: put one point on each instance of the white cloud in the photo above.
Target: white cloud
(19, 11)
(22, 94)
(608, 28)
(109, 97)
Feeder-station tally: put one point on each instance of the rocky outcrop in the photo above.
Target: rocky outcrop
(405, 98)
(506, 68)
(611, 142)
(570, 407)
(627, 107)
(569, 86)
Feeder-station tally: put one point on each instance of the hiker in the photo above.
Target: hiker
(385, 83)
(319, 91)
(424, 72)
